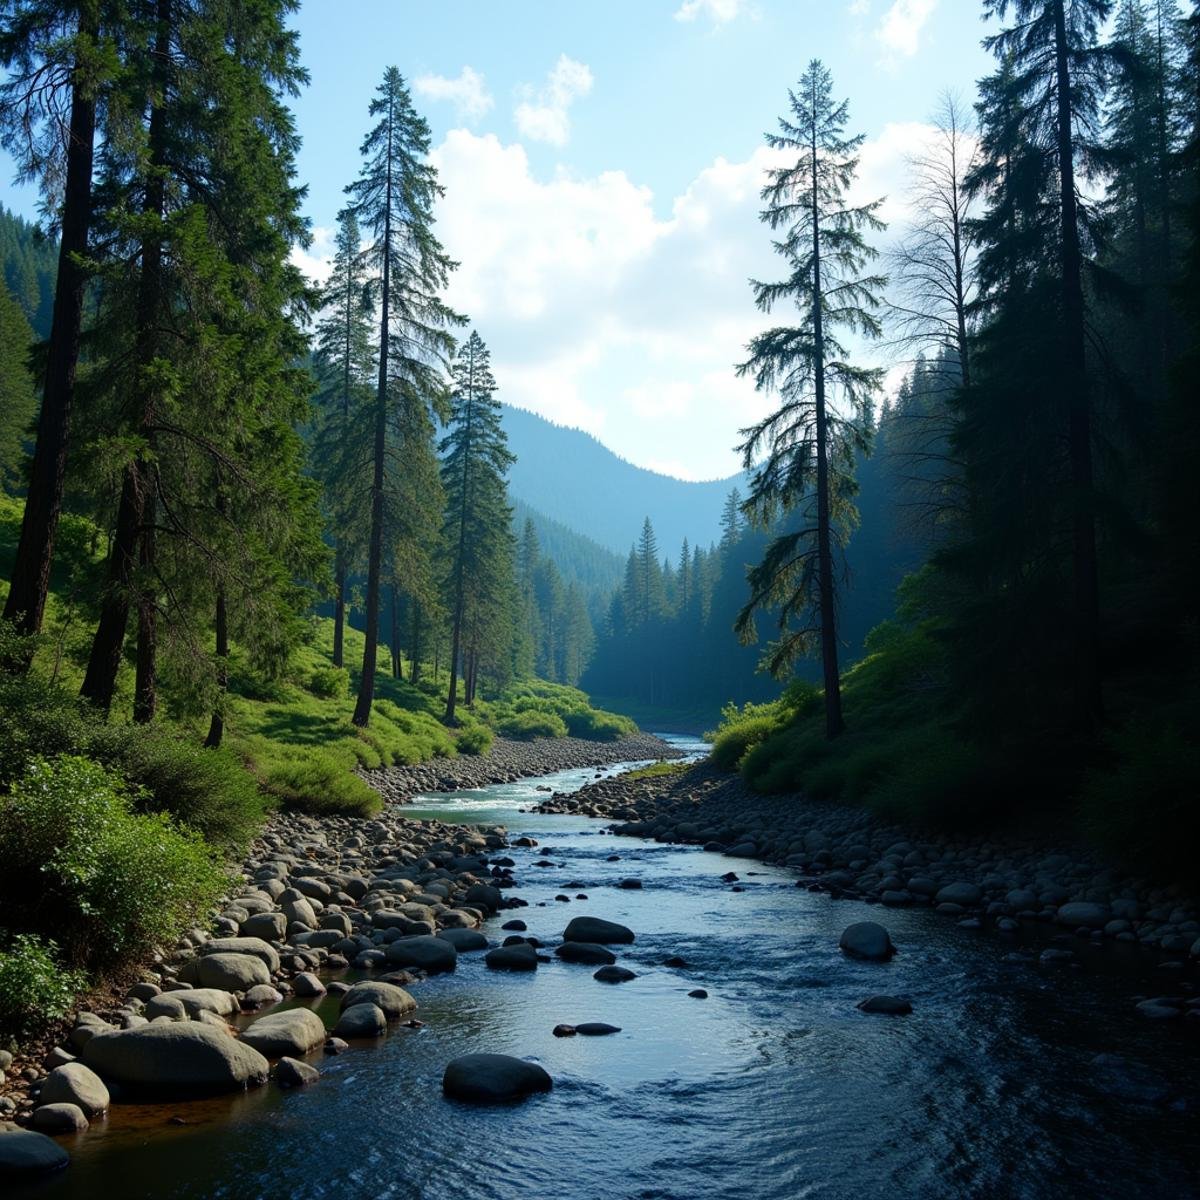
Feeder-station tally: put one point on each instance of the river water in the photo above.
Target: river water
(774, 1088)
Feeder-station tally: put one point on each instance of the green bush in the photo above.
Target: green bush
(80, 863)
(530, 723)
(316, 782)
(330, 683)
(474, 739)
(35, 988)
(599, 726)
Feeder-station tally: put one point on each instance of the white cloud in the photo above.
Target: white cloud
(619, 315)
(544, 114)
(468, 92)
(719, 11)
(899, 32)
(316, 259)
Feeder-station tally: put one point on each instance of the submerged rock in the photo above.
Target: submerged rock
(867, 940)
(431, 954)
(25, 1154)
(614, 974)
(892, 1006)
(292, 1073)
(585, 952)
(493, 1078)
(595, 929)
(520, 957)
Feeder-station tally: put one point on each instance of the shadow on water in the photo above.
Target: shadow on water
(776, 1087)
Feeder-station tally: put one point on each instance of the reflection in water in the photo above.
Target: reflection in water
(775, 1087)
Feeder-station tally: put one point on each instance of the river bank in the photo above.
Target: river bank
(509, 760)
(996, 881)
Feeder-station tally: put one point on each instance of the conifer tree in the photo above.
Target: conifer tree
(392, 201)
(18, 404)
(810, 443)
(478, 522)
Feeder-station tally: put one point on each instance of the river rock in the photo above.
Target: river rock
(231, 972)
(73, 1083)
(596, 1029)
(296, 1031)
(493, 1078)
(307, 985)
(291, 1073)
(59, 1118)
(614, 974)
(25, 1154)
(483, 895)
(595, 929)
(963, 893)
(892, 1006)
(431, 954)
(363, 1020)
(176, 1057)
(244, 945)
(267, 926)
(166, 1005)
(212, 1000)
(1083, 915)
(867, 940)
(521, 957)
(394, 1001)
(464, 939)
(585, 952)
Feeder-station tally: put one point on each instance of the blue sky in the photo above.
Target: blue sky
(601, 160)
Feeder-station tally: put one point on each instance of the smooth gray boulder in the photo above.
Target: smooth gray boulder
(595, 929)
(961, 892)
(394, 1001)
(244, 945)
(176, 1057)
(166, 1005)
(585, 952)
(363, 1020)
(59, 1118)
(307, 984)
(294, 1032)
(231, 972)
(867, 940)
(431, 954)
(493, 1079)
(464, 939)
(211, 1000)
(266, 926)
(292, 1073)
(1082, 915)
(73, 1083)
(521, 957)
(483, 895)
(597, 1029)
(613, 974)
(25, 1154)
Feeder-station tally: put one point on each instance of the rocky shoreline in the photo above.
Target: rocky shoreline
(995, 881)
(510, 760)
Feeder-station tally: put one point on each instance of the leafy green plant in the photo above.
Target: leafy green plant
(474, 739)
(35, 988)
(330, 683)
(529, 724)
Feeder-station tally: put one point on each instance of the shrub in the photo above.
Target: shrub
(330, 683)
(475, 739)
(79, 862)
(315, 782)
(599, 726)
(530, 724)
(34, 988)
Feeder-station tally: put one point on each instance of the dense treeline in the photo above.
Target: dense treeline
(1043, 448)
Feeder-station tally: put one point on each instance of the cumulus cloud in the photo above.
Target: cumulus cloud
(315, 259)
(720, 12)
(899, 32)
(619, 312)
(544, 113)
(467, 92)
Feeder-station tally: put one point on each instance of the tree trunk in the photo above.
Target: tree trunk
(145, 691)
(105, 659)
(834, 723)
(397, 673)
(339, 609)
(216, 727)
(1088, 699)
(414, 673)
(26, 603)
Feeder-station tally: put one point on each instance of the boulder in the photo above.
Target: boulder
(295, 1031)
(1082, 915)
(585, 952)
(430, 954)
(292, 1073)
(394, 1001)
(596, 1029)
(464, 939)
(73, 1083)
(483, 895)
(965, 894)
(176, 1057)
(267, 926)
(866, 939)
(59, 1118)
(891, 1006)
(613, 974)
(25, 1154)
(166, 1005)
(361, 1021)
(244, 945)
(493, 1079)
(211, 1000)
(307, 984)
(595, 929)
(522, 957)
(231, 972)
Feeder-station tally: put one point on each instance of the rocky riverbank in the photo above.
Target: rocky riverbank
(510, 760)
(997, 881)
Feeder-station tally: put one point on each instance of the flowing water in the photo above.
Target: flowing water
(773, 1088)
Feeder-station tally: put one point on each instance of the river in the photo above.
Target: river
(775, 1087)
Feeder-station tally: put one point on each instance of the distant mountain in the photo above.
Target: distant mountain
(580, 483)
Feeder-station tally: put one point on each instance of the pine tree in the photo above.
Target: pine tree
(18, 404)
(393, 200)
(731, 518)
(60, 62)
(809, 443)
(478, 525)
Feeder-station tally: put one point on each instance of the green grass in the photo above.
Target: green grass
(658, 770)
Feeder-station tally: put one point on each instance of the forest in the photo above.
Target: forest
(259, 535)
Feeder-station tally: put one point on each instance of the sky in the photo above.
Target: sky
(602, 160)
